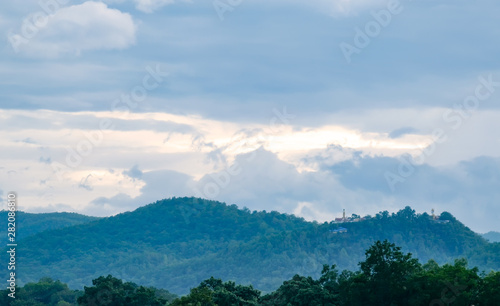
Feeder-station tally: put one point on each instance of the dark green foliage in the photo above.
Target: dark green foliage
(386, 277)
(387, 273)
(389, 277)
(215, 292)
(301, 290)
(44, 292)
(489, 289)
(179, 242)
(446, 284)
(196, 297)
(114, 292)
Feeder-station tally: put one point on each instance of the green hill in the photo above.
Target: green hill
(28, 224)
(177, 243)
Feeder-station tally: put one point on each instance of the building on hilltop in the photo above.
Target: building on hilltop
(339, 230)
(352, 218)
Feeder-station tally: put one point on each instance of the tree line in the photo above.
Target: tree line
(386, 276)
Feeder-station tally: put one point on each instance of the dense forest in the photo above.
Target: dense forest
(177, 243)
(386, 276)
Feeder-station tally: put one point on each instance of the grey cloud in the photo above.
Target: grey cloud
(45, 160)
(401, 132)
(133, 172)
(410, 65)
(29, 141)
(80, 121)
(85, 184)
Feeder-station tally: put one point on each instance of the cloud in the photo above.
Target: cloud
(148, 6)
(401, 132)
(78, 28)
(260, 180)
(45, 160)
(134, 172)
(159, 184)
(85, 184)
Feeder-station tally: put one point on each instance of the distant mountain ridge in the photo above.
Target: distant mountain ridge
(492, 236)
(176, 243)
(28, 224)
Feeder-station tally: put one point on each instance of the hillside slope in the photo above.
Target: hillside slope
(28, 224)
(177, 243)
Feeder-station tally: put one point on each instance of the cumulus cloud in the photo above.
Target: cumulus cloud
(159, 184)
(74, 29)
(260, 180)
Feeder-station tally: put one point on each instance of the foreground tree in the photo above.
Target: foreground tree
(489, 290)
(384, 279)
(388, 273)
(301, 290)
(113, 291)
(45, 292)
(215, 292)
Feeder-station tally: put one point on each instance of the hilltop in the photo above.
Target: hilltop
(176, 243)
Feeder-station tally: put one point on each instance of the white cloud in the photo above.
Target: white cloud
(148, 6)
(74, 29)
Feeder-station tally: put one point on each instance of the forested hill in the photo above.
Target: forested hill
(177, 243)
(28, 224)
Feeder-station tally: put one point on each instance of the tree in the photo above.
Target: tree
(45, 292)
(213, 291)
(449, 284)
(387, 272)
(114, 292)
(489, 293)
(196, 297)
(301, 290)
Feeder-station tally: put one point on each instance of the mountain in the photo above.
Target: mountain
(177, 243)
(492, 236)
(28, 224)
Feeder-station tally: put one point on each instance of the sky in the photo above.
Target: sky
(303, 107)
